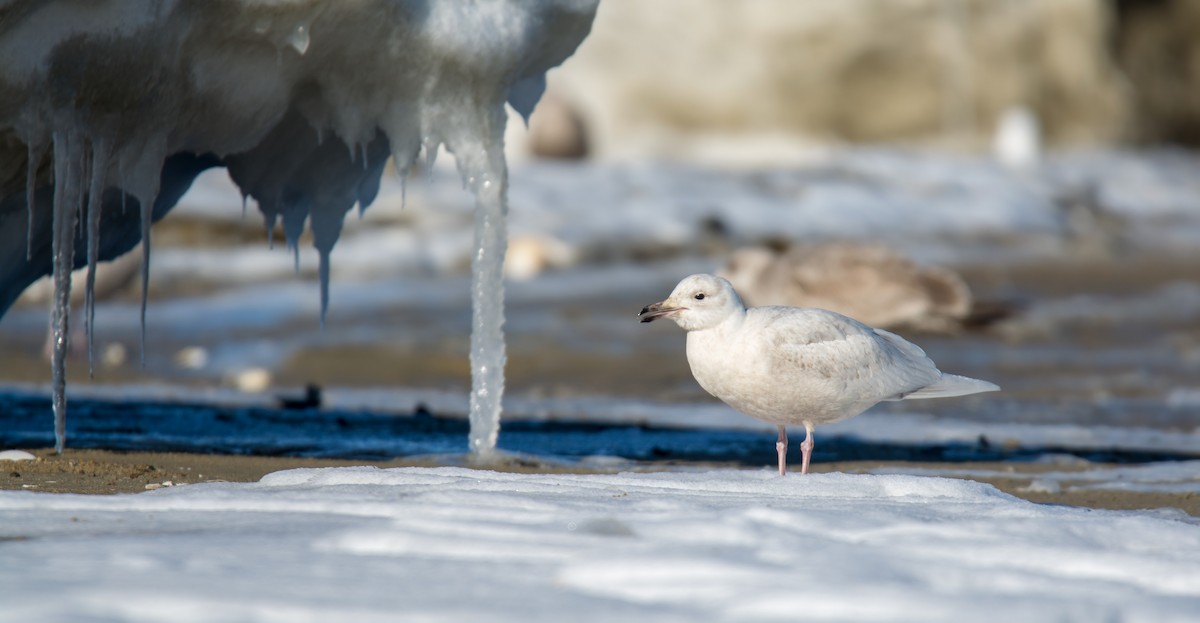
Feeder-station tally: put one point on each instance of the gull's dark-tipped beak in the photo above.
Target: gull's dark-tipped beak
(655, 311)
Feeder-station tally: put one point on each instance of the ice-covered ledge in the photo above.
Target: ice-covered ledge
(119, 104)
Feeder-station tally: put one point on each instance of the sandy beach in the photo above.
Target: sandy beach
(101, 472)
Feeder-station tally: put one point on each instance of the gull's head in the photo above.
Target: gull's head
(699, 302)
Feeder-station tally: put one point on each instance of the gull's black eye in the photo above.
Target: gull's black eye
(699, 296)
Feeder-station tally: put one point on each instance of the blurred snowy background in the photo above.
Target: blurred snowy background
(1042, 152)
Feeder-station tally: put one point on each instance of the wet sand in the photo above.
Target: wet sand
(108, 472)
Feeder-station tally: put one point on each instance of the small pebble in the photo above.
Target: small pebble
(1040, 485)
(252, 380)
(192, 358)
(114, 355)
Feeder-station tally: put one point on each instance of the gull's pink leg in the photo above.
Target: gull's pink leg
(806, 447)
(781, 448)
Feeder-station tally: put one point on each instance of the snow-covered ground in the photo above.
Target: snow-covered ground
(451, 544)
(1110, 368)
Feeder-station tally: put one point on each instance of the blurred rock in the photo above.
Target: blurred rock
(192, 357)
(114, 355)
(556, 129)
(872, 284)
(1157, 43)
(654, 77)
(312, 399)
(251, 380)
(528, 256)
(1018, 140)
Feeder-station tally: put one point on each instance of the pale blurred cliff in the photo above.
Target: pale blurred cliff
(687, 77)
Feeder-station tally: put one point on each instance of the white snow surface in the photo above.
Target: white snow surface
(452, 544)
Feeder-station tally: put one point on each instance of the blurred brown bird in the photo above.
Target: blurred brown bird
(870, 283)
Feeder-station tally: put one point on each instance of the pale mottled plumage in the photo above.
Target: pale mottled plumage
(872, 283)
(791, 365)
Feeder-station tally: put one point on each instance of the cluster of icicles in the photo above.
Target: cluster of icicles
(302, 102)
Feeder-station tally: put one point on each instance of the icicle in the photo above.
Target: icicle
(480, 166)
(146, 204)
(269, 220)
(67, 161)
(147, 216)
(402, 160)
(140, 165)
(299, 38)
(403, 190)
(294, 216)
(35, 153)
(487, 321)
(323, 275)
(98, 175)
(431, 147)
(366, 161)
(326, 222)
(85, 173)
(245, 197)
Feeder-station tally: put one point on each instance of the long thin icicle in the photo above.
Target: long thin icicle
(147, 216)
(323, 274)
(146, 170)
(326, 221)
(98, 176)
(487, 325)
(487, 175)
(67, 163)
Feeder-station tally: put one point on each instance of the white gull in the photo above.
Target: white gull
(795, 365)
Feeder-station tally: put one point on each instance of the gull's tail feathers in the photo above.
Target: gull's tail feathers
(952, 385)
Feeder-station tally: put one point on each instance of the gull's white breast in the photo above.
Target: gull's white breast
(789, 365)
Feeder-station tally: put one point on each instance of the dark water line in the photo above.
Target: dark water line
(311, 432)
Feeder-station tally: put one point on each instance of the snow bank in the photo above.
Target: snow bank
(454, 544)
(303, 101)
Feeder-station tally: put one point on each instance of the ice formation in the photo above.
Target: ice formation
(109, 109)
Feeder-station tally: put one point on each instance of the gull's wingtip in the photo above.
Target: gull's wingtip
(953, 385)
